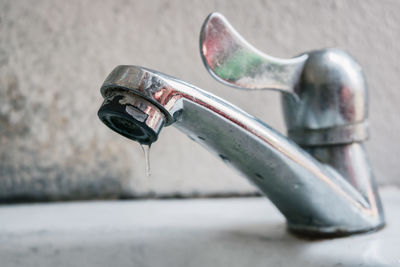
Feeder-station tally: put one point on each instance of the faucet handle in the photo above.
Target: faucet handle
(233, 61)
(325, 100)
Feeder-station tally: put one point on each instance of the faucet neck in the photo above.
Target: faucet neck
(315, 196)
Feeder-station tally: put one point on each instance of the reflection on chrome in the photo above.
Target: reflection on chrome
(319, 176)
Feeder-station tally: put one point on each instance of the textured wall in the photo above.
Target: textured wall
(54, 55)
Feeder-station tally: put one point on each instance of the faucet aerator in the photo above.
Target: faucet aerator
(131, 116)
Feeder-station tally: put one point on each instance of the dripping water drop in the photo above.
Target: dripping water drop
(146, 151)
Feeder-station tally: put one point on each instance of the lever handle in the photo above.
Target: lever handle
(233, 61)
(325, 100)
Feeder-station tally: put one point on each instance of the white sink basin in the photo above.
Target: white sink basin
(203, 232)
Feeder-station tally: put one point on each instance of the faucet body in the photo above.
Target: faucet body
(319, 177)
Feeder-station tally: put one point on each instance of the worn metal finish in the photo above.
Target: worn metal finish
(233, 61)
(314, 197)
(325, 187)
(324, 92)
(332, 100)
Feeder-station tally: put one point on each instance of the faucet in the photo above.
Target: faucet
(319, 177)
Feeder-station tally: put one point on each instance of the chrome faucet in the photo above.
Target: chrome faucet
(319, 176)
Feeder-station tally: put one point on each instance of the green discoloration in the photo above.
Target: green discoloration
(241, 64)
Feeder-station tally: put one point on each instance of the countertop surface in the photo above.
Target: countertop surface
(191, 232)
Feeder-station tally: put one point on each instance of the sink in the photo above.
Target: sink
(186, 232)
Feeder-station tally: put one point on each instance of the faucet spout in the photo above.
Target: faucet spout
(319, 191)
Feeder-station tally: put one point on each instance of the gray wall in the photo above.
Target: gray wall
(54, 55)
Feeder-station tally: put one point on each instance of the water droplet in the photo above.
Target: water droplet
(146, 151)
